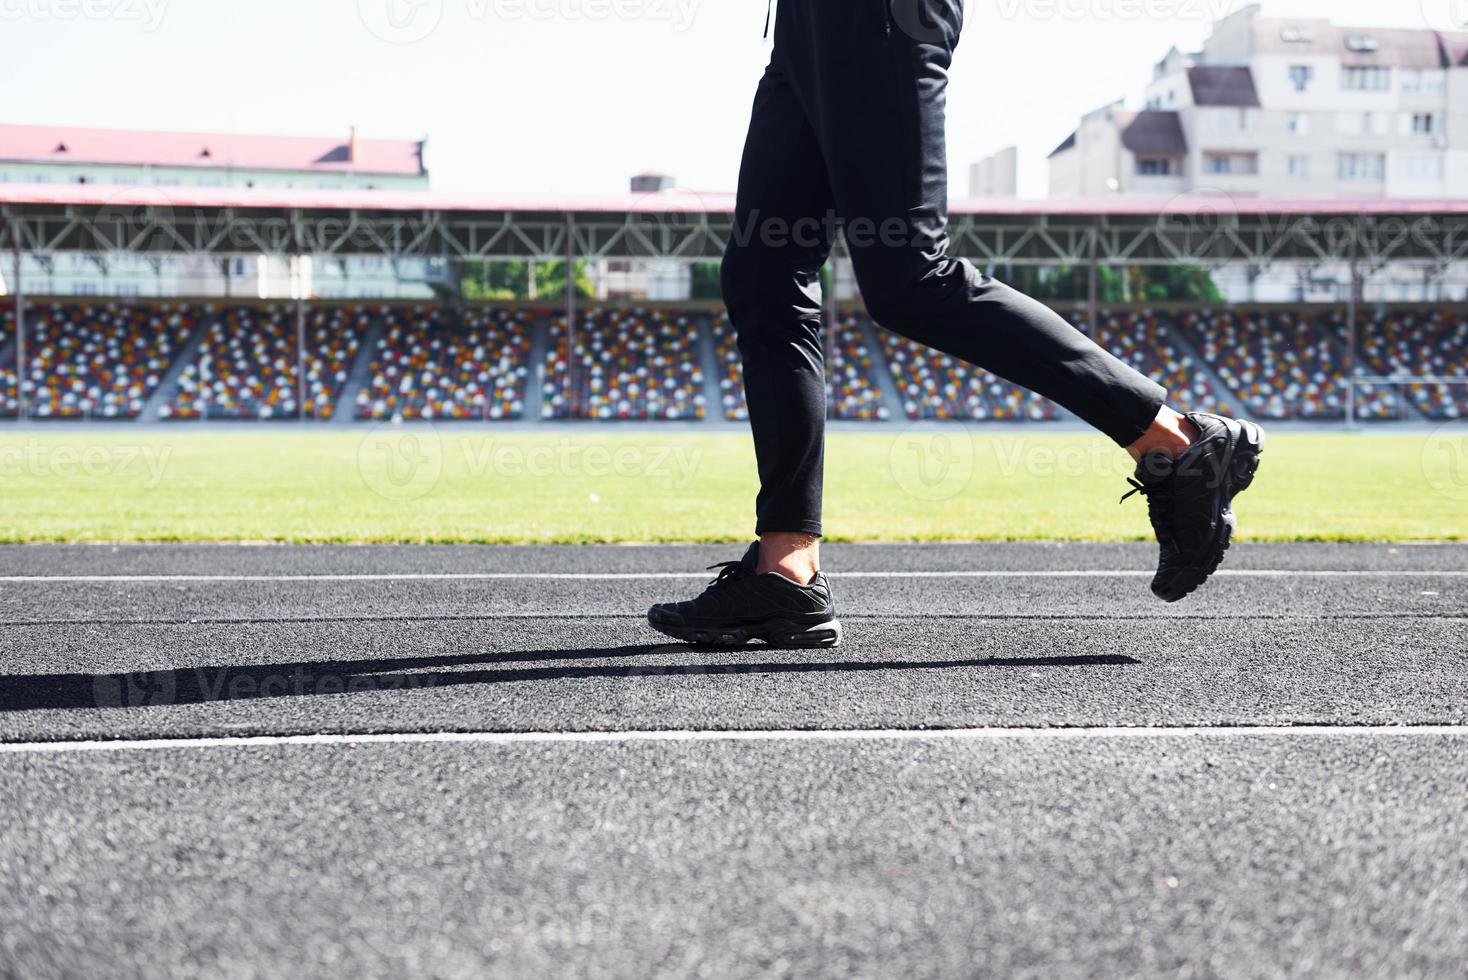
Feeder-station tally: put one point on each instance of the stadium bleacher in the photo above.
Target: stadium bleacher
(936, 386)
(99, 361)
(436, 363)
(1284, 364)
(106, 359)
(1148, 342)
(852, 389)
(731, 370)
(1425, 343)
(9, 403)
(246, 367)
(627, 364)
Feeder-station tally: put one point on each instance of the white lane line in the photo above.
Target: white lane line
(778, 735)
(681, 576)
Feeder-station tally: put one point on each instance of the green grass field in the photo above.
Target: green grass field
(566, 485)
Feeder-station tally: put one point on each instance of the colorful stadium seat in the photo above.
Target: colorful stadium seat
(246, 367)
(627, 364)
(9, 403)
(102, 361)
(1148, 342)
(1284, 364)
(1430, 343)
(434, 363)
(935, 386)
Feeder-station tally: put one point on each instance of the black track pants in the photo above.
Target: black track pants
(848, 131)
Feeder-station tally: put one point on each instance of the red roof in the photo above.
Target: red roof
(219, 151)
(681, 202)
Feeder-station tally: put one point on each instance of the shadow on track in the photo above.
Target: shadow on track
(202, 685)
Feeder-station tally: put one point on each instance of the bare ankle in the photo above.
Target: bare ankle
(795, 556)
(1170, 433)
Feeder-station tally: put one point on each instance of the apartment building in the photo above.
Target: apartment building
(1285, 108)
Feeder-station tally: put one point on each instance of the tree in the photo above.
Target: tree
(511, 280)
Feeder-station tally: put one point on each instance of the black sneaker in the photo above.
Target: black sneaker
(1189, 500)
(741, 605)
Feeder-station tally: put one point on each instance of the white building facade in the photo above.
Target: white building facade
(41, 155)
(1291, 108)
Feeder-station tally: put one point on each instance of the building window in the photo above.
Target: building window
(1227, 122)
(1364, 124)
(1361, 43)
(1231, 164)
(1157, 167)
(1301, 76)
(1368, 78)
(1421, 167)
(1300, 167)
(1299, 123)
(1424, 124)
(1362, 167)
(1424, 81)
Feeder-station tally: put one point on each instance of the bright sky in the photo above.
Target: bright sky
(568, 95)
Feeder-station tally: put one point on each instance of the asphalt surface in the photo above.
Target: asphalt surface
(1041, 837)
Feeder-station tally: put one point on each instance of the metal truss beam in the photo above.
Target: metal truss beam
(1201, 238)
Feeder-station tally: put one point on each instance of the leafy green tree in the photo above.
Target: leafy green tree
(511, 280)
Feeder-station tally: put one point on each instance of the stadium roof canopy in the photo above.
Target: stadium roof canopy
(210, 151)
(688, 226)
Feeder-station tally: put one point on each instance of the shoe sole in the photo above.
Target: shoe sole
(776, 633)
(1241, 464)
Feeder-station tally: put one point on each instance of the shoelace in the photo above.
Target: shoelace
(1158, 496)
(1138, 488)
(729, 571)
